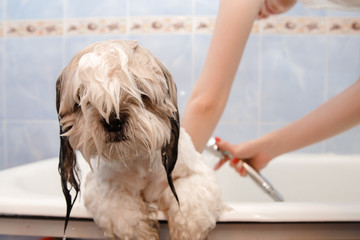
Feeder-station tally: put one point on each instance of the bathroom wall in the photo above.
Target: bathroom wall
(292, 63)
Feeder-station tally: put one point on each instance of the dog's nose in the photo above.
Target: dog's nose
(115, 124)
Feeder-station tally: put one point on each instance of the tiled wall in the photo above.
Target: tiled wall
(291, 64)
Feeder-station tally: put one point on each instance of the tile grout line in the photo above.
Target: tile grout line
(127, 19)
(193, 42)
(64, 26)
(4, 102)
(260, 44)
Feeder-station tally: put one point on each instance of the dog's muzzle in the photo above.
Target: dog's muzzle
(115, 127)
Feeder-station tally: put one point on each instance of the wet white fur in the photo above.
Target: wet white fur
(129, 190)
(128, 177)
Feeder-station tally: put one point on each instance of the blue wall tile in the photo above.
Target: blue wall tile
(160, 7)
(345, 143)
(95, 8)
(293, 76)
(343, 63)
(2, 82)
(301, 10)
(201, 45)
(338, 13)
(33, 65)
(243, 103)
(206, 7)
(236, 133)
(30, 141)
(1, 9)
(34, 9)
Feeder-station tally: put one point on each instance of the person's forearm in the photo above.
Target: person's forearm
(333, 117)
(209, 96)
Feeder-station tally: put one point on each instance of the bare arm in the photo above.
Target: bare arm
(337, 115)
(210, 94)
(333, 117)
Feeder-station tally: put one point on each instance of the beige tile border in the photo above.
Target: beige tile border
(95, 26)
(294, 26)
(178, 25)
(344, 25)
(204, 24)
(174, 25)
(33, 28)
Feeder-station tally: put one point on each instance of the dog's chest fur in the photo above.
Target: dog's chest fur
(138, 173)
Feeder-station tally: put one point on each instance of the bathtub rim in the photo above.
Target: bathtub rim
(236, 212)
(54, 205)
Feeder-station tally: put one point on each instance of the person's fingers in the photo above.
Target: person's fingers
(220, 163)
(242, 171)
(263, 13)
(238, 166)
(234, 162)
(224, 145)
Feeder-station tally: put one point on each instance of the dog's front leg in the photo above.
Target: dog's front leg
(198, 210)
(118, 208)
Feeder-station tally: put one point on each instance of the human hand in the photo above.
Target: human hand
(273, 7)
(253, 152)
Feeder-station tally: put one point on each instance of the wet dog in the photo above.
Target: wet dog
(117, 105)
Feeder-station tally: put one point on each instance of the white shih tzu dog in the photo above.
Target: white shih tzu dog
(117, 105)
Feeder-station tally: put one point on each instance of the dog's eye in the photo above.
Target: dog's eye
(76, 106)
(145, 99)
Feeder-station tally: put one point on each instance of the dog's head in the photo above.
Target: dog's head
(117, 102)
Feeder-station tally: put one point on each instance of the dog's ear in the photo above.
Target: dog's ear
(170, 150)
(67, 161)
(170, 153)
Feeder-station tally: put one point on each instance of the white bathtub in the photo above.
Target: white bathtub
(322, 201)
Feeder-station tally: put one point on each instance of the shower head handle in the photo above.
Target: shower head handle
(258, 178)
